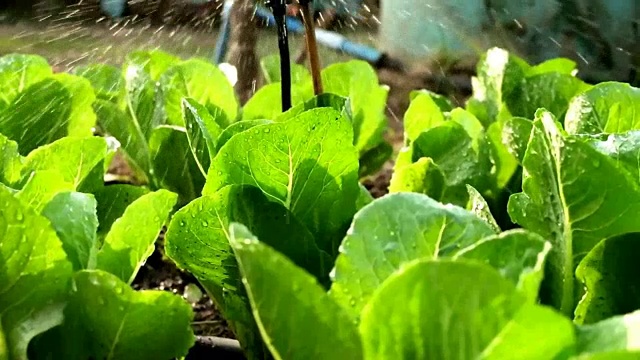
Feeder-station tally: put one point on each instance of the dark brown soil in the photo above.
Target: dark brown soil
(160, 273)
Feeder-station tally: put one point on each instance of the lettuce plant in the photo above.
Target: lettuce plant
(70, 248)
(509, 232)
(427, 271)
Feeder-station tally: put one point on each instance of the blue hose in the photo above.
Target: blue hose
(329, 39)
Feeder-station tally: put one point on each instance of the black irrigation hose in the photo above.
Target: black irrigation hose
(211, 347)
(279, 9)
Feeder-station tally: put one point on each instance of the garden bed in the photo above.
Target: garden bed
(473, 216)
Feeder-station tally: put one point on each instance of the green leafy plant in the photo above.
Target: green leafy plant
(59, 265)
(545, 291)
(509, 232)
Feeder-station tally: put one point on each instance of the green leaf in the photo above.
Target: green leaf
(608, 273)
(373, 160)
(270, 66)
(534, 94)
(357, 80)
(423, 114)
(614, 336)
(66, 156)
(392, 231)
(112, 203)
(261, 104)
(458, 310)
(463, 159)
(276, 288)
(82, 119)
(499, 73)
(106, 80)
(34, 277)
(307, 164)
(201, 81)
(518, 255)
(443, 102)
(325, 100)
(202, 132)
(423, 176)
(46, 107)
(516, 135)
(153, 62)
(559, 65)
(173, 166)
(506, 164)
(132, 236)
(237, 128)
(10, 161)
(364, 198)
(571, 210)
(74, 158)
(18, 72)
(127, 319)
(198, 240)
(73, 216)
(41, 187)
(478, 205)
(121, 126)
(140, 91)
(208, 218)
(608, 107)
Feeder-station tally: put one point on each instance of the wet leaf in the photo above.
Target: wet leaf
(18, 72)
(358, 81)
(202, 132)
(121, 126)
(608, 107)
(478, 205)
(534, 93)
(38, 116)
(307, 164)
(517, 254)
(34, 263)
(423, 114)
(112, 202)
(201, 81)
(41, 187)
(128, 319)
(608, 273)
(198, 240)
(131, 239)
(458, 310)
(614, 338)
(237, 128)
(10, 161)
(73, 217)
(107, 81)
(393, 231)
(571, 210)
(272, 281)
(73, 158)
(174, 168)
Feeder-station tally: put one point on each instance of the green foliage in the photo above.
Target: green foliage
(510, 230)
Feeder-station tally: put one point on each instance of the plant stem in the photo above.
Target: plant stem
(279, 9)
(312, 46)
